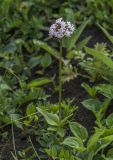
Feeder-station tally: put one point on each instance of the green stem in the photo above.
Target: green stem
(34, 148)
(14, 146)
(60, 79)
(98, 122)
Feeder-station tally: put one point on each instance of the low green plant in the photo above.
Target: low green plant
(98, 64)
(59, 155)
(104, 89)
(95, 146)
(50, 113)
(25, 56)
(97, 107)
(101, 12)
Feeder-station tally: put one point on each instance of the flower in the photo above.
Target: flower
(61, 29)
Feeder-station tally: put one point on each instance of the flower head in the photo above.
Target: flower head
(61, 29)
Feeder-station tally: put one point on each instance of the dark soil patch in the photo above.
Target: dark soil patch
(82, 115)
(97, 36)
(7, 146)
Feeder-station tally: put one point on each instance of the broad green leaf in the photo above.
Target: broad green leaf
(47, 48)
(78, 130)
(33, 62)
(71, 54)
(94, 139)
(39, 82)
(105, 106)
(5, 118)
(46, 60)
(30, 109)
(52, 119)
(61, 131)
(97, 143)
(98, 108)
(109, 120)
(74, 142)
(69, 13)
(48, 151)
(67, 155)
(4, 86)
(100, 56)
(107, 132)
(61, 155)
(110, 153)
(9, 48)
(52, 128)
(54, 152)
(108, 138)
(93, 105)
(103, 143)
(106, 90)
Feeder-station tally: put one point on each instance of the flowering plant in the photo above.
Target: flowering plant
(61, 29)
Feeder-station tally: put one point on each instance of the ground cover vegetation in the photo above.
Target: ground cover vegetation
(56, 80)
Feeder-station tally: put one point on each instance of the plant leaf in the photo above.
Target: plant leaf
(78, 130)
(39, 82)
(93, 105)
(109, 121)
(46, 60)
(47, 48)
(106, 90)
(30, 109)
(51, 118)
(74, 142)
(110, 153)
(100, 56)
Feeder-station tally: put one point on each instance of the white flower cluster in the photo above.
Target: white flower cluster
(61, 29)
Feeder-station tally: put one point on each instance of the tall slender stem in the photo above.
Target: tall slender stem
(60, 79)
(14, 146)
